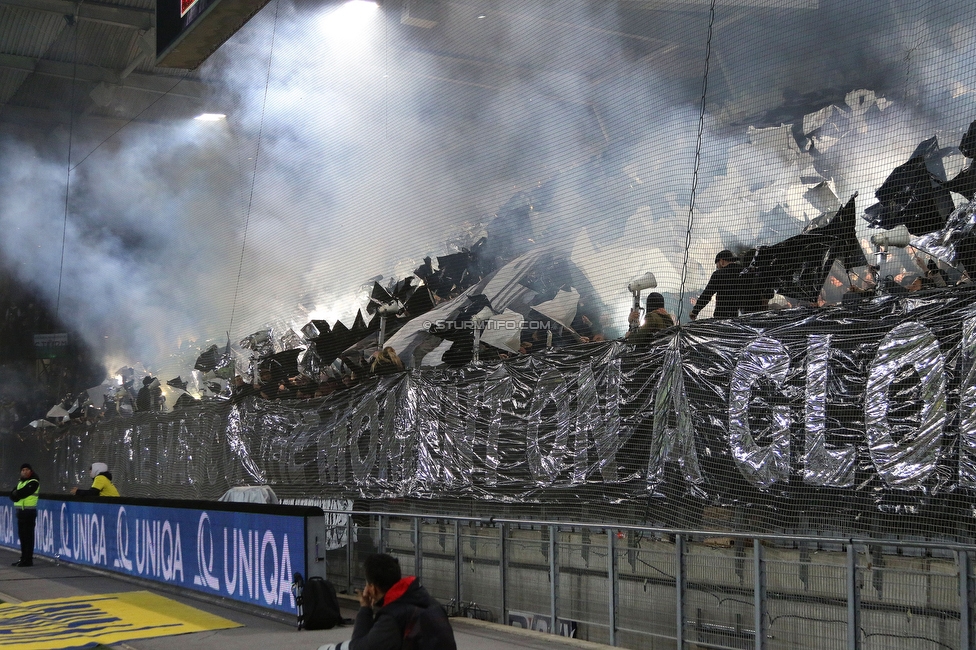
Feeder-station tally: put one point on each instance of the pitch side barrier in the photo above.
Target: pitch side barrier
(243, 551)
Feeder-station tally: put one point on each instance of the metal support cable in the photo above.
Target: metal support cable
(72, 22)
(254, 170)
(698, 151)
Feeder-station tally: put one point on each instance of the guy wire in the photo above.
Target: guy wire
(254, 170)
(698, 151)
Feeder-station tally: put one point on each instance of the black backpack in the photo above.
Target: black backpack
(317, 603)
(428, 629)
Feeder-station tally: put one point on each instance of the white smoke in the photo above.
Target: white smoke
(346, 158)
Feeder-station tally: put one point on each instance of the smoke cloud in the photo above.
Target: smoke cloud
(355, 145)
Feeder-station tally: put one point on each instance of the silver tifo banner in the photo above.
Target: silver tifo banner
(867, 409)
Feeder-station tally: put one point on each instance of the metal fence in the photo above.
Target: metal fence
(644, 587)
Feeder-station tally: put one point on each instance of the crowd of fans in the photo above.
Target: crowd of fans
(31, 395)
(736, 292)
(344, 357)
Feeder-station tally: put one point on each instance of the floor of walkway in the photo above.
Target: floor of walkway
(259, 632)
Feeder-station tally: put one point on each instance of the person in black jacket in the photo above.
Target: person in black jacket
(724, 285)
(25, 503)
(388, 604)
(150, 395)
(755, 290)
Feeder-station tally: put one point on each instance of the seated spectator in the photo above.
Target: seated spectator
(388, 604)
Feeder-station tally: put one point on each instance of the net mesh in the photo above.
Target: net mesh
(588, 145)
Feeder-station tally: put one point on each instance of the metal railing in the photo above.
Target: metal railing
(646, 587)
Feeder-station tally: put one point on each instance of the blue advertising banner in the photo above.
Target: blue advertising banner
(247, 556)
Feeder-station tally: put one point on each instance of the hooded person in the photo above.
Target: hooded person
(25, 503)
(656, 319)
(102, 485)
(390, 606)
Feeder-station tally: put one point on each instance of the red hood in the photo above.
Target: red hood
(398, 589)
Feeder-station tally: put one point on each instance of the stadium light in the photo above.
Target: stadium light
(346, 20)
(210, 117)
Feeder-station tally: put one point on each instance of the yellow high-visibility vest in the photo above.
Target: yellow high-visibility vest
(31, 500)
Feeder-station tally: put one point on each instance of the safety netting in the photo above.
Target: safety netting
(704, 264)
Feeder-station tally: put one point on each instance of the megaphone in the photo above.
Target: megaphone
(646, 281)
(389, 309)
(899, 237)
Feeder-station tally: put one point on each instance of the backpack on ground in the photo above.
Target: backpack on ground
(429, 629)
(317, 603)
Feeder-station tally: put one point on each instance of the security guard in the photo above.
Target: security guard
(25, 503)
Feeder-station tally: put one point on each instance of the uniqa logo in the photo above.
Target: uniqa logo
(7, 526)
(44, 530)
(64, 528)
(205, 555)
(89, 544)
(159, 549)
(122, 541)
(252, 567)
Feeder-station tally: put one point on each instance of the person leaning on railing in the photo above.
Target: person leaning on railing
(102, 485)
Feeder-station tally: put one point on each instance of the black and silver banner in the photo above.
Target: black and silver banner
(874, 406)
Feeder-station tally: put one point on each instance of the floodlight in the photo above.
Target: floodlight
(347, 22)
(210, 117)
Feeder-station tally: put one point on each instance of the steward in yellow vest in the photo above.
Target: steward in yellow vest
(25, 503)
